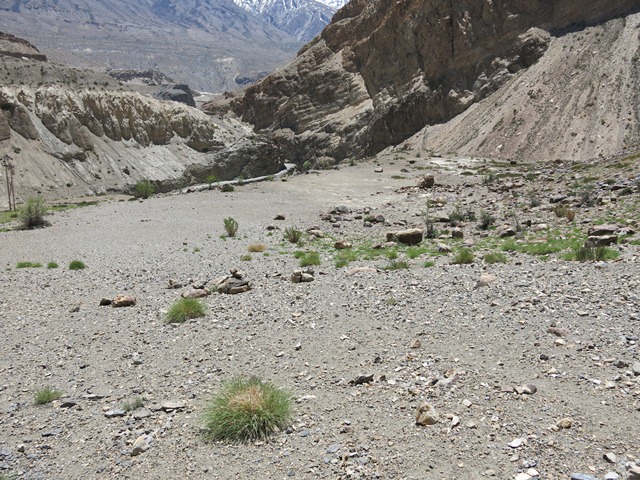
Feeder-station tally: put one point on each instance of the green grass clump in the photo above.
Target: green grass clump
(32, 214)
(428, 264)
(230, 226)
(592, 254)
(28, 265)
(307, 259)
(246, 258)
(51, 265)
(144, 189)
(246, 410)
(227, 187)
(495, 257)
(185, 309)
(47, 395)
(464, 256)
(77, 265)
(396, 265)
(292, 234)
(344, 257)
(415, 252)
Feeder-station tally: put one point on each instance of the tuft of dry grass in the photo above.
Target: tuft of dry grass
(257, 247)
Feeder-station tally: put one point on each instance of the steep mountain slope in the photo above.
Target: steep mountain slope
(383, 70)
(74, 132)
(207, 44)
(302, 19)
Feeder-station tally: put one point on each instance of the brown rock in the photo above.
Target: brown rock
(428, 181)
(195, 293)
(342, 244)
(123, 301)
(426, 415)
(411, 236)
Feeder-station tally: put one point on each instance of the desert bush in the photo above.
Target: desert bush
(247, 409)
(144, 189)
(560, 210)
(489, 179)
(77, 265)
(230, 226)
(428, 264)
(32, 213)
(47, 395)
(246, 258)
(240, 180)
(430, 230)
(292, 234)
(227, 187)
(134, 404)
(456, 217)
(463, 256)
(257, 247)
(396, 265)
(592, 254)
(344, 257)
(185, 309)
(51, 265)
(486, 220)
(587, 195)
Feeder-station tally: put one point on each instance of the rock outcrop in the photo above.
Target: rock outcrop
(71, 139)
(383, 70)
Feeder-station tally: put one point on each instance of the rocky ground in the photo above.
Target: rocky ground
(531, 372)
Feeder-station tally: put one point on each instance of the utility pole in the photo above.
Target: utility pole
(8, 170)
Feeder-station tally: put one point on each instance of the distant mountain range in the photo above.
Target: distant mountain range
(212, 45)
(302, 19)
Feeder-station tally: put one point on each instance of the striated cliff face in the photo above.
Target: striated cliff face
(68, 139)
(384, 69)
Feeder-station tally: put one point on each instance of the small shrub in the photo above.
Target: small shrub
(77, 265)
(344, 257)
(587, 196)
(430, 226)
(456, 217)
(486, 220)
(570, 215)
(306, 259)
(489, 179)
(495, 257)
(211, 179)
(415, 252)
(534, 201)
(230, 226)
(144, 189)
(32, 214)
(428, 264)
(397, 265)
(134, 404)
(592, 254)
(240, 180)
(463, 256)
(560, 210)
(227, 187)
(257, 247)
(247, 409)
(28, 265)
(292, 234)
(246, 258)
(391, 254)
(391, 301)
(47, 395)
(51, 265)
(185, 309)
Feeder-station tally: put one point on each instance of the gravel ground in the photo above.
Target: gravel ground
(566, 331)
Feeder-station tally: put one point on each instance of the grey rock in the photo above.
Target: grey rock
(333, 448)
(116, 412)
(582, 476)
(141, 445)
(233, 286)
(362, 379)
(175, 92)
(602, 241)
(636, 368)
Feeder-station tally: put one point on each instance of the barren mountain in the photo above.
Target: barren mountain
(206, 44)
(383, 70)
(74, 132)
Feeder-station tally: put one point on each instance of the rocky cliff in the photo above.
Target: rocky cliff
(383, 69)
(73, 133)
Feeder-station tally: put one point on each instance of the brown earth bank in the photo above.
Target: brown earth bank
(531, 363)
(515, 79)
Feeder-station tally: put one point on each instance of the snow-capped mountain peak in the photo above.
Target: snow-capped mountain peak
(303, 19)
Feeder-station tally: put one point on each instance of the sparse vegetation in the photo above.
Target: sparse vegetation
(227, 187)
(230, 226)
(77, 265)
(495, 257)
(306, 259)
(185, 309)
(28, 265)
(586, 253)
(211, 179)
(395, 264)
(293, 235)
(256, 247)
(132, 405)
(463, 256)
(52, 265)
(144, 189)
(246, 258)
(32, 213)
(247, 409)
(486, 220)
(47, 395)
